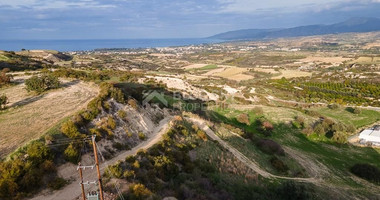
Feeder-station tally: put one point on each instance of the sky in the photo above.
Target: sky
(130, 19)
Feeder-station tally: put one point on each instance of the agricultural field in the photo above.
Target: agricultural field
(240, 120)
(30, 115)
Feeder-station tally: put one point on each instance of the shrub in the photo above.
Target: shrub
(278, 164)
(38, 152)
(291, 190)
(3, 101)
(339, 137)
(312, 113)
(319, 129)
(132, 103)
(70, 130)
(139, 191)
(270, 147)
(122, 114)
(141, 136)
(128, 174)
(42, 83)
(71, 154)
(307, 131)
(333, 106)
(4, 77)
(300, 120)
(266, 127)
(114, 171)
(243, 118)
(351, 128)
(111, 123)
(367, 171)
(357, 111)
(202, 135)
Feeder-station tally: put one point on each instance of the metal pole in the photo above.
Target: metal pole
(81, 181)
(97, 168)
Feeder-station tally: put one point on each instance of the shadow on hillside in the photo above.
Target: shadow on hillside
(69, 84)
(28, 100)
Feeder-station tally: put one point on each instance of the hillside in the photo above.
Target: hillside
(352, 25)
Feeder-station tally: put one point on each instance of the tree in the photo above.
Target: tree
(4, 77)
(3, 101)
(42, 83)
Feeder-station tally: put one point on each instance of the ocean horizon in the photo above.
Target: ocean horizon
(92, 44)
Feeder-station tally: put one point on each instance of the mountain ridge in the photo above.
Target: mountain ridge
(359, 24)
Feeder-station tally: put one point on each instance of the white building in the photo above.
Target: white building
(371, 135)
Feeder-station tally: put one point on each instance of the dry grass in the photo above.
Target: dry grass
(326, 59)
(31, 116)
(266, 70)
(234, 73)
(292, 74)
(367, 60)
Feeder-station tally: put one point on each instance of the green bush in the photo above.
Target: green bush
(4, 77)
(142, 136)
(114, 171)
(291, 190)
(72, 154)
(42, 83)
(270, 147)
(70, 130)
(367, 171)
(3, 101)
(111, 123)
(278, 164)
(333, 106)
(122, 114)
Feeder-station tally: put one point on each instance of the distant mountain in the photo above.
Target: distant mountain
(351, 25)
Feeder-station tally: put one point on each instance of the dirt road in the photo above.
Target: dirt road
(73, 190)
(249, 163)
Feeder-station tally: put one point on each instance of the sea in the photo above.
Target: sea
(88, 45)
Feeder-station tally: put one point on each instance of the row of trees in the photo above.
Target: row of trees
(356, 92)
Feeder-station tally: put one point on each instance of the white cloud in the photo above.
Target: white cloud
(53, 4)
(252, 6)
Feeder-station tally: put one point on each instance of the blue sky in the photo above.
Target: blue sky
(114, 19)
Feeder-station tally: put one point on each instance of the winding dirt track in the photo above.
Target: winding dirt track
(249, 163)
(73, 190)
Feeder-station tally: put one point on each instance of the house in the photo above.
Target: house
(371, 136)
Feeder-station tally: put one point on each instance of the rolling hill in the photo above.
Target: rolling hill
(352, 25)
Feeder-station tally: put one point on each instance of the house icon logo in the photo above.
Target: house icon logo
(150, 95)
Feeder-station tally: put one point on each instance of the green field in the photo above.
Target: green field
(337, 158)
(366, 117)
